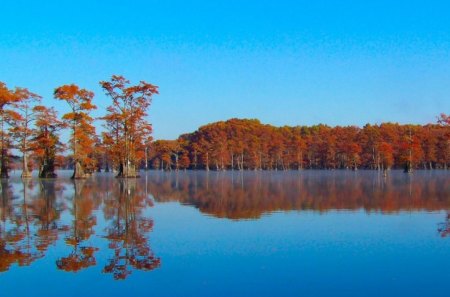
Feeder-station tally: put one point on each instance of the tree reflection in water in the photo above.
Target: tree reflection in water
(28, 222)
(15, 246)
(127, 230)
(249, 195)
(46, 207)
(83, 204)
(444, 228)
(104, 211)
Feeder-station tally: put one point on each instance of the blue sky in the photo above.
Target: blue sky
(283, 62)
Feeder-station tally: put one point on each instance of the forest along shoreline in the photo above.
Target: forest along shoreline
(30, 139)
(244, 144)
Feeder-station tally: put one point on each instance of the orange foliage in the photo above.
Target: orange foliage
(45, 144)
(80, 122)
(248, 144)
(128, 131)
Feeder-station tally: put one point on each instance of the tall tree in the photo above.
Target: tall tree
(126, 121)
(45, 144)
(80, 122)
(386, 156)
(444, 140)
(8, 99)
(21, 124)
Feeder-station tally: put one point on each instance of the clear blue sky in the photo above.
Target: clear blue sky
(283, 62)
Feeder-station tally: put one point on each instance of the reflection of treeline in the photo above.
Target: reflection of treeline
(29, 222)
(128, 229)
(248, 144)
(249, 195)
(31, 212)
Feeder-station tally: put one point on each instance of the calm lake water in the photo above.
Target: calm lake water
(309, 233)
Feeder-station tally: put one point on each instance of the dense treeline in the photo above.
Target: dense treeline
(248, 144)
(126, 145)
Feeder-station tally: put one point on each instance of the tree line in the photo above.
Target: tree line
(243, 144)
(126, 144)
(34, 129)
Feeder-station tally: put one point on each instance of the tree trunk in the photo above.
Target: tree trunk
(127, 171)
(78, 171)
(4, 166)
(47, 170)
(25, 172)
(3, 149)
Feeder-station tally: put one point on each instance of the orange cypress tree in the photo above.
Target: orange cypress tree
(45, 144)
(80, 122)
(22, 118)
(8, 99)
(386, 155)
(126, 123)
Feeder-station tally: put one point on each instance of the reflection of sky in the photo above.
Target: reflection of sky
(287, 254)
(344, 253)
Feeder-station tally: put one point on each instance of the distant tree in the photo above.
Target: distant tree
(444, 119)
(386, 155)
(164, 151)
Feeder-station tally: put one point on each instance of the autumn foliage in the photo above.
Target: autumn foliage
(80, 122)
(34, 129)
(126, 145)
(128, 131)
(247, 144)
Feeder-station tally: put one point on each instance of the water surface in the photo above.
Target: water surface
(309, 233)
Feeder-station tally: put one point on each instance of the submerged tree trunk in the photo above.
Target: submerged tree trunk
(47, 170)
(120, 171)
(4, 153)
(4, 166)
(25, 172)
(127, 171)
(3, 149)
(408, 168)
(78, 171)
